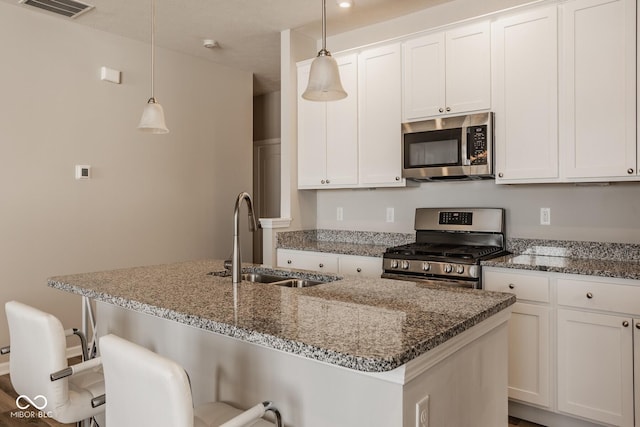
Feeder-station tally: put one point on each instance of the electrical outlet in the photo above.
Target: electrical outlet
(545, 216)
(339, 214)
(390, 214)
(422, 412)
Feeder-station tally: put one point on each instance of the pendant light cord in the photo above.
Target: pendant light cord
(153, 55)
(324, 25)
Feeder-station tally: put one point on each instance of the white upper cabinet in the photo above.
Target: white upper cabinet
(328, 132)
(598, 91)
(447, 72)
(525, 96)
(379, 89)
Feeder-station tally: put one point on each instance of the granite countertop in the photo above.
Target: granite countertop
(616, 260)
(359, 243)
(619, 260)
(371, 325)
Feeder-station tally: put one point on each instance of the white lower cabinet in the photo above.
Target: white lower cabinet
(360, 265)
(595, 366)
(330, 262)
(306, 260)
(574, 349)
(529, 334)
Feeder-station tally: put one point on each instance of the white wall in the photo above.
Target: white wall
(588, 213)
(153, 198)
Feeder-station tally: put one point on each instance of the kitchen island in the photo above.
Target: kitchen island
(351, 352)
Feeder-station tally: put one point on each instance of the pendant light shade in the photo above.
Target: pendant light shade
(324, 76)
(152, 120)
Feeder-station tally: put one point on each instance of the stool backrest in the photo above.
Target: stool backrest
(38, 348)
(142, 387)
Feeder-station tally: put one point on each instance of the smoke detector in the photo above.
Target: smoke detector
(210, 44)
(69, 8)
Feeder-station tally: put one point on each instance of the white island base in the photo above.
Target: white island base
(462, 383)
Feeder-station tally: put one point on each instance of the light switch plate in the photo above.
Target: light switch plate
(110, 75)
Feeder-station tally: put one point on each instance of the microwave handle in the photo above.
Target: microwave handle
(464, 147)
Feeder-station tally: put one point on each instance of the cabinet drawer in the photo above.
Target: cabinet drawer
(303, 260)
(361, 265)
(599, 296)
(525, 286)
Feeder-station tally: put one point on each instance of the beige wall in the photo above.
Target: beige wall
(153, 198)
(266, 116)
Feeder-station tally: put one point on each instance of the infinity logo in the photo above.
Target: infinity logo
(33, 403)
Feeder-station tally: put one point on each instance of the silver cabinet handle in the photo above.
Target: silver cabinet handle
(638, 325)
(500, 175)
(288, 261)
(448, 108)
(630, 171)
(359, 270)
(397, 178)
(327, 181)
(322, 181)
(589, 295)
(511, 286)
(321, 265)
(625, 323)
(441, 110)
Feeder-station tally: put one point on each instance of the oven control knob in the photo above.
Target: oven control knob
(405, 265)
(448, 268)
(460, 269)
(426, 266)
(394, 263)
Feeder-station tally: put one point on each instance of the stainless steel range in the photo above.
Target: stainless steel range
(450, 243)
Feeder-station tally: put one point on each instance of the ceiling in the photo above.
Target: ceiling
(247, 31)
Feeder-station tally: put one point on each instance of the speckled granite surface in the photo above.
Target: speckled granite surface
(370, 325)
(572, 257)
(361, 243)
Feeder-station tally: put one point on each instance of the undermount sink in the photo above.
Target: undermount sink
(273, 279)
(290, 282)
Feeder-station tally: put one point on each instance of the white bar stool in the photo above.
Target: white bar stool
(39, 370)
(144, 388)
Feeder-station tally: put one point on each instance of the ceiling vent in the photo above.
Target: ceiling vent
(68, 8)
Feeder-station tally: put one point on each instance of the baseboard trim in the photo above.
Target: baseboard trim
(71, 352)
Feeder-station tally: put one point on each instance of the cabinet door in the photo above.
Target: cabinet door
(424, 77)
(379, 124)
(468, 78)
(312, 136)
(598, 109)
(525, 96)
(342, 127)
(305, 260)
(529, 337)
(636, 365)
(361, 265)
(595, 366)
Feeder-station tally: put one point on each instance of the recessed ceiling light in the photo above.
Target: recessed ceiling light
(344, 3)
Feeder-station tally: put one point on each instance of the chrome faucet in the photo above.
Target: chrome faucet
(236, 261)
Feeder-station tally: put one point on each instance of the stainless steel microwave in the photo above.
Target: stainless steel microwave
(459, 147)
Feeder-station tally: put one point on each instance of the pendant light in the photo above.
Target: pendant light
(324, 77)
(152, 120)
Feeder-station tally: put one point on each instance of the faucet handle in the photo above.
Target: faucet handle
(227, 264)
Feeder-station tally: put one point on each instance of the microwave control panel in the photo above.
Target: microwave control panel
(477, 144)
